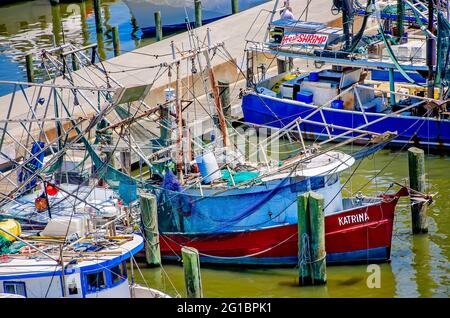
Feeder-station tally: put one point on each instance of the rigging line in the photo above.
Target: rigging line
(253, 180)
(396, 155)
(160, 264)
(244, 256)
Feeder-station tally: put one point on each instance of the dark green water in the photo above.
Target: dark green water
(419, 264)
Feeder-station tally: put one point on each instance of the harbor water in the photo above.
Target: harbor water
(419, 264)
(30, 26)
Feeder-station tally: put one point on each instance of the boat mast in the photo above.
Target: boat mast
(217, 101)
(431, 48)
(179, 110)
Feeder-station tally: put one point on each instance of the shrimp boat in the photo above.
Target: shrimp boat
(377, 81)
(173, 12)
(361, 231)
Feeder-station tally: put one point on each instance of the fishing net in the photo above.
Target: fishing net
(443, 51)
(238, 177)
(4, 245)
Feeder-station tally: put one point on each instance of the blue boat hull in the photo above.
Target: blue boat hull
(276, 112)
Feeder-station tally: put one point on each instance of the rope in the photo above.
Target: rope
(237, 257)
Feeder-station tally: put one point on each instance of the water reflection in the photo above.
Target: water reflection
(29, 27)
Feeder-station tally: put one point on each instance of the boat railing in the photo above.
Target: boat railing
(367, 60)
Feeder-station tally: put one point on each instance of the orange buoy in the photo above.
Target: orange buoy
(41, 203)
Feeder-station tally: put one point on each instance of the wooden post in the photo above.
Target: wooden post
(416, 163)
(198, 13)
(149, 217)
(98, 16)
(158, 26)
(234, 6)
(74, 62)
(303, 232)
(311, 239)
(224, 92)
(317, 242)
(192, 277)
(56, 25)
(116, 40)
(29, 67)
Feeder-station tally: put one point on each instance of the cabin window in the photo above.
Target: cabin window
(17, 288)
(95, 282)
(332, 179)
(118, 273)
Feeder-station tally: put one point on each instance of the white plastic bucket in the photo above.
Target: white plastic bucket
(209, 169)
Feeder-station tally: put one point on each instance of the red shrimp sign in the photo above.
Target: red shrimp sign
(305, 39)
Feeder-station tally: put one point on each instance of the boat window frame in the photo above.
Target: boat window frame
(124, 274)
(15, 283)
(86, 281)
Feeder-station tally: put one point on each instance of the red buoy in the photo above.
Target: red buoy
(51, 190)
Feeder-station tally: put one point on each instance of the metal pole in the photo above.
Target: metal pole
(98, 16)
(431, 50)
(391, 87)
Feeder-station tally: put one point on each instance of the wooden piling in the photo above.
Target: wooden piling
(74, 62)
(149, 217)
(234, 6)
(116, 40)
(192, 277)
(416, 163)
(29, 68)
(198, 13)
(303, 231)
(311, 239)
(317, 241)
(125, 160)
(224, 92)
(98, 16)
(158, 26)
